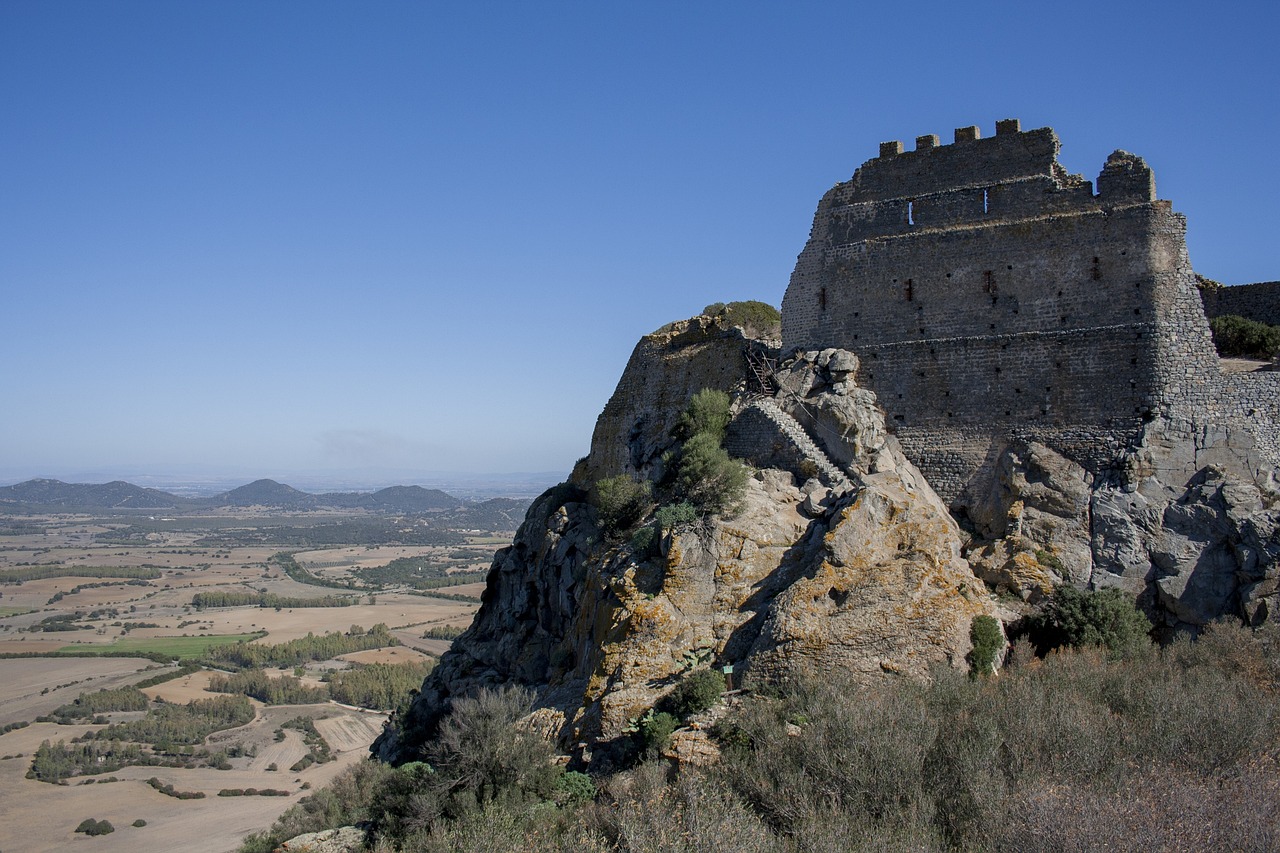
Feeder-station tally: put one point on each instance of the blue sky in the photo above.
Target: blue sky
(379, 239)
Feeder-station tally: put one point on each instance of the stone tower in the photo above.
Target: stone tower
(992, 295)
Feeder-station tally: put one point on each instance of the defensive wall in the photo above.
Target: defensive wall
(1260, 301)
(992, 295)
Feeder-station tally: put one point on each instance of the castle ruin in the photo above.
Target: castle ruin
(991, 296)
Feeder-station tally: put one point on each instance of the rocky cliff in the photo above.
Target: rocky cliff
(845, 561)
(1182, 522)
(840, 555)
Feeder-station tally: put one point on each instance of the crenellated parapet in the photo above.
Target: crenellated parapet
(974, 181)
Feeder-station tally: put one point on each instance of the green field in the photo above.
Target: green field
(15, 611)
(179, 647)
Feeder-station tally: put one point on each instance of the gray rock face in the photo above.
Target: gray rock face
(1192, 541)
(344, 839)
(842, 555)
(858, 568)
(1038, 505)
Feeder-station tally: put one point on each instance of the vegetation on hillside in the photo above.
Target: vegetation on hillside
(1078, 618)
(621, 503)
(700, 479)
(757, 319)
(1147, 748)
(705, 475)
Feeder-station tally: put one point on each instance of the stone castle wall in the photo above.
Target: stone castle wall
(991, 294)
(1260, 301)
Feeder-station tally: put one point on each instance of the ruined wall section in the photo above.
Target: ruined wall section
(1259, 301)
(990, 294)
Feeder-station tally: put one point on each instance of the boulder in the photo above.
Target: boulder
(344, 839)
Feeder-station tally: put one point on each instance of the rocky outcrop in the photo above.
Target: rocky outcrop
(344, 839)
(664, 371)
(1185, 525)
(840, 556)
(861, 573)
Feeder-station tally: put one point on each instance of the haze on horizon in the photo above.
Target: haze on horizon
(360, 240)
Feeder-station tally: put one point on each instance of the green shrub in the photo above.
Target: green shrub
(89, 826)
(707, 412)
(574, 788)
(655, 731)
(1237, 336)
(1051, 561)
(643, 539)
(757, 319)
(621, 503)
(988, 642)
(708, 477)
(481, 749)
(677, 515)
(139, 823)
(698, 691)
(1104, 617)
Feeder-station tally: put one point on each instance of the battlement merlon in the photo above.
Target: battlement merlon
(1012, 155)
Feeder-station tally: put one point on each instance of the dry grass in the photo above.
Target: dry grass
(392, 655)
(23, 680)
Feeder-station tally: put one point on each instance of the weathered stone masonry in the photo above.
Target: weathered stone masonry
(1260, 301)
(991, 294)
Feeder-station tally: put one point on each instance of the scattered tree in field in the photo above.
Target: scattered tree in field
(89, 826)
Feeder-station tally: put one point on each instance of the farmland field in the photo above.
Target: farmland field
(175, 647)
(90, 604)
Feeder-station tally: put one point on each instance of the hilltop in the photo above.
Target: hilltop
(991, 384)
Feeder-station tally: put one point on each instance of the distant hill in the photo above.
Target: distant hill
(55, 495)
(265, 493)
(494, 514)
(408, 499)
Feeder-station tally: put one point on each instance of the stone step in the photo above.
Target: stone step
(792, 429)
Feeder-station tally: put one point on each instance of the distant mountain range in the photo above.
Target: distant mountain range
(47, 495)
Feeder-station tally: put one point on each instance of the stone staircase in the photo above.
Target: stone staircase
(828, 471)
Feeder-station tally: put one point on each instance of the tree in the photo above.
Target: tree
(706, 412)
(708, 477)
(1237, 336)
(621, 503)
(1104, 617)
(988, 641)
(481, 749)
